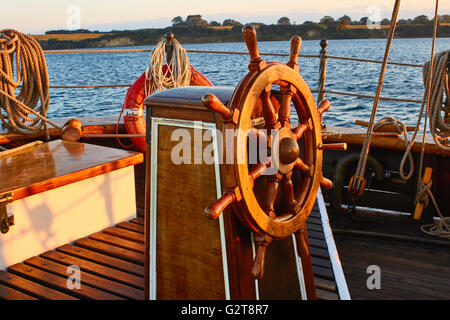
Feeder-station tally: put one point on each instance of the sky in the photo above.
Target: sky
(38, 16)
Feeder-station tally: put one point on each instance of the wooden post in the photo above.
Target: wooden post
(322, 70)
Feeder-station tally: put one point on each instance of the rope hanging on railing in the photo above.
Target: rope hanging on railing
(22, 56)
(178, 71)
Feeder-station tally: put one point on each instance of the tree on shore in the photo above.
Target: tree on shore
(284, 21)
(231, 22)
(214, 23)
(327, 20)
(178, 20)
(195, 20)
(344, 20)
(423, 19)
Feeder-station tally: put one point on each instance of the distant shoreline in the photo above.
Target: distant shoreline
(195, 35)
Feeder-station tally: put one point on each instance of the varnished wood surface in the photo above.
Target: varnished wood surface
(58, 163)
(189, 253)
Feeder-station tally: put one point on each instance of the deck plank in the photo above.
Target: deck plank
(60, 283)
(102, 259)
(97, 269)
(32, 288)
(138, 220)
(131, 226)
(95, 281)
(124, 234)
(121, 253)
(13, 294)
(118, 242)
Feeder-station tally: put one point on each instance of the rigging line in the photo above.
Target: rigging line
(233, 53)
(358, 178)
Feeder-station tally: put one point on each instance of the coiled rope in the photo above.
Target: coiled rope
(178, 72)
(21, 55)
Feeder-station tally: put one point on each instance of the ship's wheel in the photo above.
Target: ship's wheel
(272, 198)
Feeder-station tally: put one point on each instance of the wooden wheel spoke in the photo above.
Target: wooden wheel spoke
(269, 112)
(301, 129)
(285, 105)
(289, 193)
(303, 167)
(258, 135)
(256, 171)
(273, 183)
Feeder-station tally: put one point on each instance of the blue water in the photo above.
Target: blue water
(125, 68)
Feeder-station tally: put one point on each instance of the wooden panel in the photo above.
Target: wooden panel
(111, 250)
(189, 258)
(118, 242)
(32, 288)
(95, 268)
(280, 279)
(102, 259)
(60, 283)
(239, 257)
(58, 163)
(95, 281)
(124, 234)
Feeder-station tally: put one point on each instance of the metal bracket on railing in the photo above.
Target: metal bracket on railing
(5, 221)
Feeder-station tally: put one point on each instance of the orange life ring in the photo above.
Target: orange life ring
(134, 119)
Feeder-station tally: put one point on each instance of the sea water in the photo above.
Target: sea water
(227, 70)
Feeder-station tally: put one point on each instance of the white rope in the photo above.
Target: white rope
(178, 73)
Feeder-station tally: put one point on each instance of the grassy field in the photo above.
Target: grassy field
(68, 36)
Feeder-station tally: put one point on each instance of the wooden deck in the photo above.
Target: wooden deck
(112, 266)
(415, 267)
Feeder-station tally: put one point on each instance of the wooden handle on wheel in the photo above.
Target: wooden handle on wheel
(296, 43)
(215, 210)
(249, 35)
(212, 102)
(258, 264)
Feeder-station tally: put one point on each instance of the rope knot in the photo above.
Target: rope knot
(423, 192)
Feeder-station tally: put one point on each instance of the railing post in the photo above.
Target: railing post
(322, 70)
